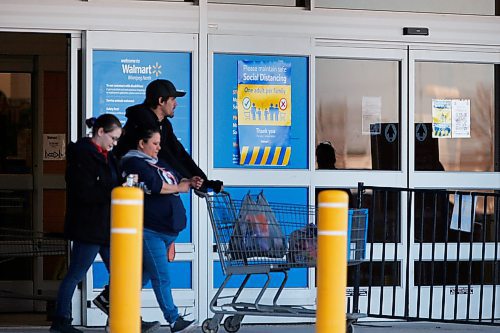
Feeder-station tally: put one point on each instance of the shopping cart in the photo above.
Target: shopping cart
(254, 236)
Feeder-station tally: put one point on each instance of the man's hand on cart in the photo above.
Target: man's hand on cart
(196, 182)
(216, 186)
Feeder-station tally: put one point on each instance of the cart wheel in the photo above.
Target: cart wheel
(231, 326)
(206, 329)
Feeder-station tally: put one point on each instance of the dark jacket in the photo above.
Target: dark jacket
(163, 213)
(89, 181)
(172, 152)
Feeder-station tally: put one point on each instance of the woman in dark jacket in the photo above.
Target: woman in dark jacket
(91, 174)
(164, 217)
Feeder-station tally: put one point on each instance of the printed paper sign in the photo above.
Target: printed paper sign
(451, 118)
(371, 108)
(54, 147)
(441, 118)
(460, 118)
(464, 223)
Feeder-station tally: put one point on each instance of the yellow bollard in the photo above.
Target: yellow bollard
(126, 259)
(332, 262)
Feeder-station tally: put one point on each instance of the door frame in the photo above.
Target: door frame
(36, 58)
(332, 49)
(150, 42)
(243, 177)
(448, 180)
(455, 54)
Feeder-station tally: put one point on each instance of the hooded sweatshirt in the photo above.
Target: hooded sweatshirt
(172, 152)
(163, 213)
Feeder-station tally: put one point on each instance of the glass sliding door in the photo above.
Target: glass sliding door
(358, 112)
(455, 110)
(454, 114)
(16, 195)
(472, 84)
(360, 118)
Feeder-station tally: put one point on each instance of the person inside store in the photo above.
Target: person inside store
(164, 217)
(326, 159)
(325, 156)
(91, 174)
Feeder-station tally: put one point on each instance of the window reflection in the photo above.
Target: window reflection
(435, 273)
(15, 123)
(384, 219)
(357, 110)
(433, 218)
(384, 209)
(455, 81)
(15, 209)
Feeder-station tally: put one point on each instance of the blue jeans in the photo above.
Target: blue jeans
(82, 257)
(155, 268)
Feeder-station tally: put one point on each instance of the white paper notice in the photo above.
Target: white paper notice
(371, 109)
(54, 147)
(460, 124)
(466, 218)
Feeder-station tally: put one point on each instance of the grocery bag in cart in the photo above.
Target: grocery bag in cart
(257, 232)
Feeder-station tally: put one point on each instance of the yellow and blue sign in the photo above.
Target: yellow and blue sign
(264, 99)
(226, 143)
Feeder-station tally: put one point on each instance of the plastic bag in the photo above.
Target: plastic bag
(277, 239)
(257, 232)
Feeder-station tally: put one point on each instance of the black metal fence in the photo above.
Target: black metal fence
(431, 255)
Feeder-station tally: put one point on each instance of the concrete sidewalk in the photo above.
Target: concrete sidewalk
(364, 327)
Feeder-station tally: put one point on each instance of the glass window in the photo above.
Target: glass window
(376, 274)
(434, 273)
(16, 123)
(15, 215)
(16, 209)
(266, 126)
(434, 212)
(454, 116)
(384, 215)
(357, 111)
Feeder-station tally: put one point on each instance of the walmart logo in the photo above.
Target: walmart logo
(157, 69)
(128, 68)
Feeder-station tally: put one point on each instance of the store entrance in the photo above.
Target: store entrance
(33, 128)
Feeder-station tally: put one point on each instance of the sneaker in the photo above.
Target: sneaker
(102, 303)
(146, 326)
(180, 324)
(63, 325)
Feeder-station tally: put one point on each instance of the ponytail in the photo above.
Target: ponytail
(90, 122)
(107, 122)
